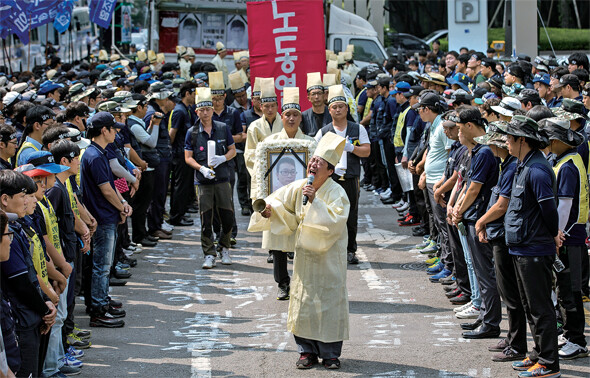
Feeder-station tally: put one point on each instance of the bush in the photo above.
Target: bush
(562, 39)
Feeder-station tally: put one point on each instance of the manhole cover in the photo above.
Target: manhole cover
(414, 266)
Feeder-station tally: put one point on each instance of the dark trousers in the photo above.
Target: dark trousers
(216, 222)
(419, 204)
(155, 213)
(141, 202)
(29, 342)
(570, 295)
(368, 175)
(389, 154)
(351, 187)
(429, 214)
(508, 289)
(585, 274)
(279, 268)
(461, 275)
(243, 182)
(440, 222)
(534, 276)
(183, 180)
(68, 326)
(320, 349)
(483, 265)
(379, 176)
(215, 198)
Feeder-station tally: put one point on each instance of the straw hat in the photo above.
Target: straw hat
(151, 56)
(103, 56)
(160, 58)
(141, 56)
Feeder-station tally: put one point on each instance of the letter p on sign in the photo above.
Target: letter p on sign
(466, 11)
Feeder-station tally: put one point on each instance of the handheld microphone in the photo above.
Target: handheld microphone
(309, 182)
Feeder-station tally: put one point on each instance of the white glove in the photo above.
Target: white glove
(348, 147)
(208, 173)
(339, 170)
(217, 159)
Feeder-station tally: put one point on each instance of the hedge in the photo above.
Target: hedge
(562, 39)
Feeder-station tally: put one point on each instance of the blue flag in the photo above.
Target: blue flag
(64, 15)
(101, 12)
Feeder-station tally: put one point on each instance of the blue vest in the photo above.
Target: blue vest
(523, 222)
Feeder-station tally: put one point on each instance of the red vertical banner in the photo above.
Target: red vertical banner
(286, 41)
(168, 31)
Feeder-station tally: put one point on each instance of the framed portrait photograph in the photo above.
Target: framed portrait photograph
(280, 162)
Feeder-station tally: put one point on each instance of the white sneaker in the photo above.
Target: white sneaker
(470, 313)
(398, 204)
(462, 308)
(386, 193)
(209, 262)
(570, 351)
(561, 341)
(127, 252)
(225, 259)
(405, 206)
(167, 227)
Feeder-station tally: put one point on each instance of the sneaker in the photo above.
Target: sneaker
(451, 287)
(585, 298)
(71, 361)
(398, 204)
(570, 351)
(442, 274)
(209, 262)
(448, 281)
(225, 259)
(423, 245)
(59, 374)
(523, 365)
(499, 346)
(460, 299)
(432, 261)
(410, 221)
(471, 312)
(270, 258)
(538, 370)
(378, 191)
(106, 320)
(232, 241)
(352, 259)
(82, 333)
(462, 308)
(435, 269)
(77, 342)
(306, 361)
(386, 193)
(283, 293)
(419, 231)
(331, 363)
(68, 371)
(75, 352)
(431, 248)
(508, 354)
(123, 266)
(561, 341)
(405, 206)
(167, 227)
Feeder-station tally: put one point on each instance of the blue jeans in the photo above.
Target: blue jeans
(475, 294)
(55, 348)
(103, 252)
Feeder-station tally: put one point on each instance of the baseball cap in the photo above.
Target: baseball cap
(76, 136)
(461, 80)
(507, 106)
(478, 94)
(11, 98)
(371, 84)
(459, 94)
(401, 87)
(45, 161)
(31, 171)
(527, 95)
(542, 78)
(49, 88)
(103, 119)
(415, 90)
(568, 79)
(429, 99)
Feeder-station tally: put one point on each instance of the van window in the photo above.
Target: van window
(337, 45)
(367, 50)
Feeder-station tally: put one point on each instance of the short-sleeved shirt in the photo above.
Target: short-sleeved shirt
(182, 119)
(506, 177)
(484, 171)
(231, 117)
(60, 200)
(95, 171)
(568, 186)
(438, 153)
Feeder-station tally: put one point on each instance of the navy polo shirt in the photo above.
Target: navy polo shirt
(539, 180)
(182, 119)
(506, 178)
(95, 171)
(60, 200)
(568, 186)
(484, 170)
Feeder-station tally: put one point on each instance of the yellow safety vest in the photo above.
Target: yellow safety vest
(72, 196)
(583, 200)
(51, 225)
(170, 120)
(399, 127)
(367, 107)
(38, 256)
(25, 145)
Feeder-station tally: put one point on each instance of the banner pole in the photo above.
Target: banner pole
(29, 53)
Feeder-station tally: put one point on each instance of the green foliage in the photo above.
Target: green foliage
(562, 39)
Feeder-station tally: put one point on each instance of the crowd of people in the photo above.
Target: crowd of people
(487, 160)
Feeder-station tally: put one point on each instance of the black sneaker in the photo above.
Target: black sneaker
(420, 231)
(116, 312)
(331, 363)
(283, 293)
(115, 303)
(129, 260)
(508, 354)
(105, 320)
(306, 361)
(352, 259)
(410, 221)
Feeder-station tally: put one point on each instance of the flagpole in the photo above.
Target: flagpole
(29, 54)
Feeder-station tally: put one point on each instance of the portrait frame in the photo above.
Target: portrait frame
(271, 155)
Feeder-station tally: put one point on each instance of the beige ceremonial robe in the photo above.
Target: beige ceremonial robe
(221, 66)
(318, 307)
(185, 69)
(257, 132)
(285, 243)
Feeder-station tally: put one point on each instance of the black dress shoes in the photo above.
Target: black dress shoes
(471, 326)
(484, 331)
(148, 243)
(182, 223)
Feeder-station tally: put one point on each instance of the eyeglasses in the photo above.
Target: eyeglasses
(40, 182)
(10, 235)
(288, 172)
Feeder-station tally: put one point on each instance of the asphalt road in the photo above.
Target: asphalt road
(184, 321)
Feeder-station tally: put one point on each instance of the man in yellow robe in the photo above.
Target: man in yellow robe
(318, 309)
